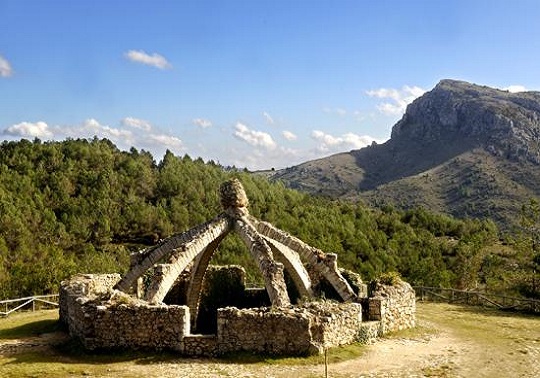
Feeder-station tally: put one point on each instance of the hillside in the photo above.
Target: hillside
(82, 206)
(460, 149)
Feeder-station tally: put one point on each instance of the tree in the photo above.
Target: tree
(528, 247)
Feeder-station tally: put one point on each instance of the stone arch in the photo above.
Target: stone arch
(183, 247)
(293, 265)
(185, 254)
(263, 241)
(197, 278)
(324, 263)
(272, 271)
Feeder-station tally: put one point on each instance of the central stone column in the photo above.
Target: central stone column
(234, 201)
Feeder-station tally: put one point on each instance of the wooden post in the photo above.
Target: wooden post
(325, 362)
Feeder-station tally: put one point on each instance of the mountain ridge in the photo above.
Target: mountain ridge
(461, 148)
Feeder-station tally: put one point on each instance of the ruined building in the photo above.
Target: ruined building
(172, 299)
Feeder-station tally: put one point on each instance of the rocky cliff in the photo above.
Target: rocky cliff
(504, 123)
(461, 148)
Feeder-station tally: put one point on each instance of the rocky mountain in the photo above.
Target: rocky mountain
(462, 149)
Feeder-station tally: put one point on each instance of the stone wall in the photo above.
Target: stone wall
(76, 292)
(393, 305)
(298, 330)
(265, 331)
(105, 318)
(199, 346)
(335, 324)
(140, 326)
(222, 286)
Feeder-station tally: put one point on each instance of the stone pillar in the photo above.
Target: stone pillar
(271, 270)
(234, 201)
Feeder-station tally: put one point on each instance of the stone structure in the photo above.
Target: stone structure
(100, 311)
(101, 317)
(391, 305)
(273, 250)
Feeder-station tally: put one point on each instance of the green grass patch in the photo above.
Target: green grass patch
(28, 324)
(486, 326)
(69, 359)
(421, 330)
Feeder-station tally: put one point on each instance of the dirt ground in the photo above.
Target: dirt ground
(451, 341)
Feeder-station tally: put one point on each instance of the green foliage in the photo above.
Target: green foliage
(389, 278)
(84, 205)
(527, 246)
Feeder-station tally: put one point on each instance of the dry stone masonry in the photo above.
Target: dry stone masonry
(393, 305)
(206, 316)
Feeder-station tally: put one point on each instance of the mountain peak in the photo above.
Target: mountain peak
(461, 148)
(467, 114)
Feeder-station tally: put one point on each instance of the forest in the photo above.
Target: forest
(81, 206)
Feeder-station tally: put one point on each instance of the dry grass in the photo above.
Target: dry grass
(450, 341)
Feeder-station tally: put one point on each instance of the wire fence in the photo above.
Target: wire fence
(36, 302)
(476, 298)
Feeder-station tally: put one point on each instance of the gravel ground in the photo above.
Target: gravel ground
(458, 342)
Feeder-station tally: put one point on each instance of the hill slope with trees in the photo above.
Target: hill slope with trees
(82, 205)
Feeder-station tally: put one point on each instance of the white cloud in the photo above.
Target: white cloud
(154, 60)
(516, 88)
(289, 135)
(29, 129)
(329, 143)
(144, 137)
(136, 123)
(5, 67)
(258, 159)
(90, 128)
(322, 144)
(166, 140)
(112, 132)
(268, 118)
(400, 98)
(93, 126)
(202, 123)
(156, 142)
(338, 111)
(254, 137)
(326, 139)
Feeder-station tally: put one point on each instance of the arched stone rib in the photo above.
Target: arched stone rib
(197, 277)
(325, 263)
(271, 270)
(185, 254)
(291, 260)
(189, 241)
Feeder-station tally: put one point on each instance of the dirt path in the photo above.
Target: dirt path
(456, 342)
(451, 342)
(436, 356)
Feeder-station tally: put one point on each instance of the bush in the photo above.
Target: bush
(389, 278)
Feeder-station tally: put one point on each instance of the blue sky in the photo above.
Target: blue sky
(255, 84)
